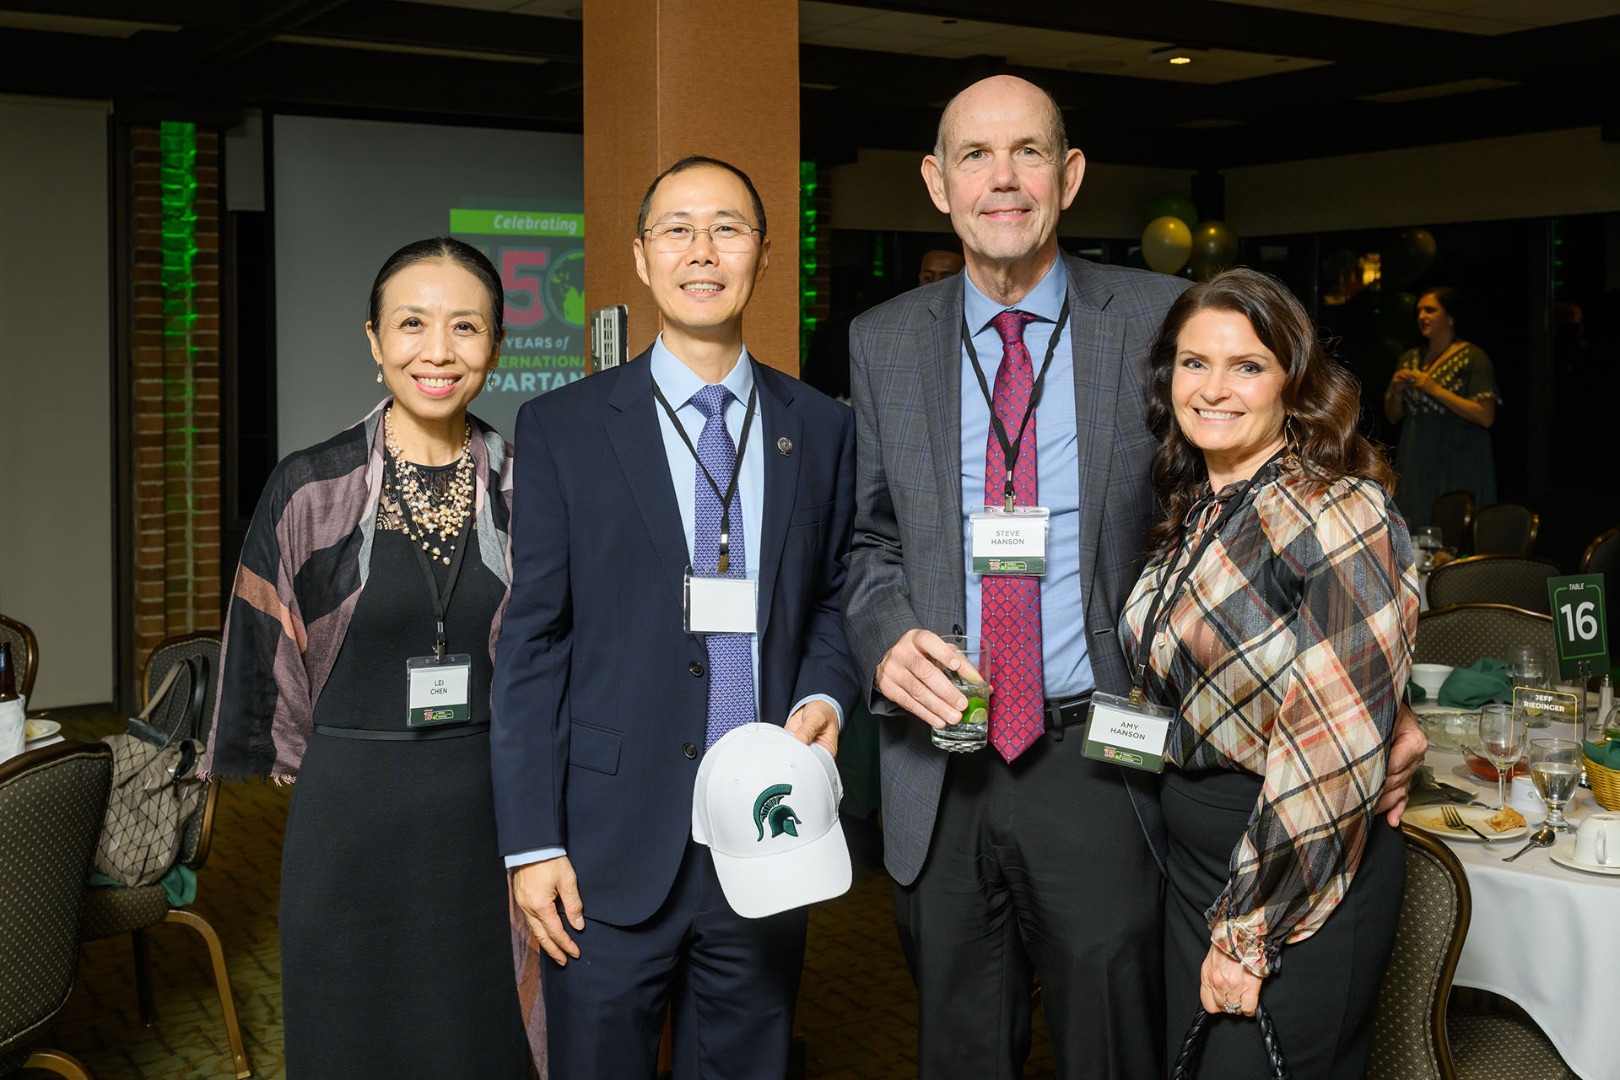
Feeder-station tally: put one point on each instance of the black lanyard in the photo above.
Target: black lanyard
(441, 601)
(736, 468)
(1150, 628)
(1011, 447)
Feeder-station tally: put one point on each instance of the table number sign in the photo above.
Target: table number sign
(1580, 621)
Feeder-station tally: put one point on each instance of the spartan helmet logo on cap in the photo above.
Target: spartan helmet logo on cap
(770, 807)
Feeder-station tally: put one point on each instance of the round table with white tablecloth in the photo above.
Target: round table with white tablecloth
(1543, 935)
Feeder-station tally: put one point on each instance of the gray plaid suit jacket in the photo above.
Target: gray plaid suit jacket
(905, 565)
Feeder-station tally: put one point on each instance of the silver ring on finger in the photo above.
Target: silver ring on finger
(1231, 1008)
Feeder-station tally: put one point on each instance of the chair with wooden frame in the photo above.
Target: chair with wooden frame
(52, 802)
(24, 653)
(1519, 580)
(1602, 555)
(1462, 633)
(1506, 529)
(112, 911)
(1409, 1034)
(1453, 513)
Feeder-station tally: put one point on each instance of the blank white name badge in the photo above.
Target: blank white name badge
(1010, 542)
(1124, 733)
(438, 691)
(721, 605)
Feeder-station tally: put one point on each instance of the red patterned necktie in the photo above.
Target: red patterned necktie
(1011, 616)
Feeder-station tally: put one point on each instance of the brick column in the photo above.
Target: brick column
(175, 309)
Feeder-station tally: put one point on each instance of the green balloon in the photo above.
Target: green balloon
(1171, 204)
(1166, 244)
(1214, 248)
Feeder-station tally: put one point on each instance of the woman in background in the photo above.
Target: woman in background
(371, 556)
(1275, 618)
(1444, 396)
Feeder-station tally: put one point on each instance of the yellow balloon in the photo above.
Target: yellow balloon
(1166, 244)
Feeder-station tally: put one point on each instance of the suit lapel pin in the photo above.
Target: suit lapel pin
(784, 446)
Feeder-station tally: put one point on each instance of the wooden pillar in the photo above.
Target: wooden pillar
(668, 78)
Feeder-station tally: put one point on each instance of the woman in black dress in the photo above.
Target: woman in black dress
(357, 661)
(1275, 618)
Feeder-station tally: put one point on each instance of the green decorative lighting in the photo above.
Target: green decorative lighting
(808, 294)
(177, 143)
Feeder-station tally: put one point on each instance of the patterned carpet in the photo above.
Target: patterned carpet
(857, 1008)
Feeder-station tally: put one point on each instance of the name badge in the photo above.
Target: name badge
(438, 691)
(1125, 734)
(721, 605)
(1010, 543)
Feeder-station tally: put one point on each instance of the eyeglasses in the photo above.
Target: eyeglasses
(723, 235)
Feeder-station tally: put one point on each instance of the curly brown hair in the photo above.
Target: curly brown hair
(1322, 399)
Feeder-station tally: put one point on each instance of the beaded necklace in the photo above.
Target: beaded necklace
(423, 515)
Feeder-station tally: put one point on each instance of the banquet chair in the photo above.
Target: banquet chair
(52, 802)
(1493, 579)
(1602, 555)
(1453, 513)
(1462, 633)
(113, 911)
(1505, 529)
(1409, 1034)
(24, 653)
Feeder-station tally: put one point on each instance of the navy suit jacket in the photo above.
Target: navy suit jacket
(600, 696)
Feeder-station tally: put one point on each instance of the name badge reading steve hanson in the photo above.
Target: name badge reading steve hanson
(1010, 543)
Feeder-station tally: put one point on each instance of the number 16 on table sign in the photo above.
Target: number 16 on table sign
(1580, 622)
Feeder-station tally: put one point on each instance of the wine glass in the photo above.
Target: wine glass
(1426, 540)
(1555, 767)
(1527, 667)
(1501, 737)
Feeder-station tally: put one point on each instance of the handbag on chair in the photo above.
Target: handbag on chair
(1183, 1068)
(155, 787)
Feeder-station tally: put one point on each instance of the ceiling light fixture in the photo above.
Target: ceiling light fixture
(1180, 59)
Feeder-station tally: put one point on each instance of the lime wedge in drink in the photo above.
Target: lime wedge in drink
(977, 711)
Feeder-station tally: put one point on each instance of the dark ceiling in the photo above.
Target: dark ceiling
(423, 59)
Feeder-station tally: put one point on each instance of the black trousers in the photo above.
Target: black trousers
(1038, 866)
(1324, 998)
(732, 984)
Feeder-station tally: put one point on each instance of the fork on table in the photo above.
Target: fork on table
(1454, 820)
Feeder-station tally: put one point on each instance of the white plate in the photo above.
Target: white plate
(1428, 819)
(1563, 853)
(41, 729)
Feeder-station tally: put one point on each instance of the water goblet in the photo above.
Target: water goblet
(1555, 767)
(1501, 737)
(1527, 667)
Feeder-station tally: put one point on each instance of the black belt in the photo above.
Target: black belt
(453, 731)
(1071, 712)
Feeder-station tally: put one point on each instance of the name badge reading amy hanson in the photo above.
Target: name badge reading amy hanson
(1125, 734)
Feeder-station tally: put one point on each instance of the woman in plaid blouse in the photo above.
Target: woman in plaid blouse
(1284, 602)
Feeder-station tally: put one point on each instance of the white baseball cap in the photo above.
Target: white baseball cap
(766, 806)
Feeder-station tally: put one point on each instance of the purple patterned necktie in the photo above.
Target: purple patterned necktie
(1010, 620)
(731, 661)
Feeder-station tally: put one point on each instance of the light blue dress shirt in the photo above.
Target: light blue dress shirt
(679, 383)
(1067, 666)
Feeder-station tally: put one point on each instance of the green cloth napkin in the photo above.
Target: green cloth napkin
(1606, 754)
(1479, 684)
(1414, 692)
(179, 884)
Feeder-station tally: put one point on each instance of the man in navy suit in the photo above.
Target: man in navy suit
(644, 499)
